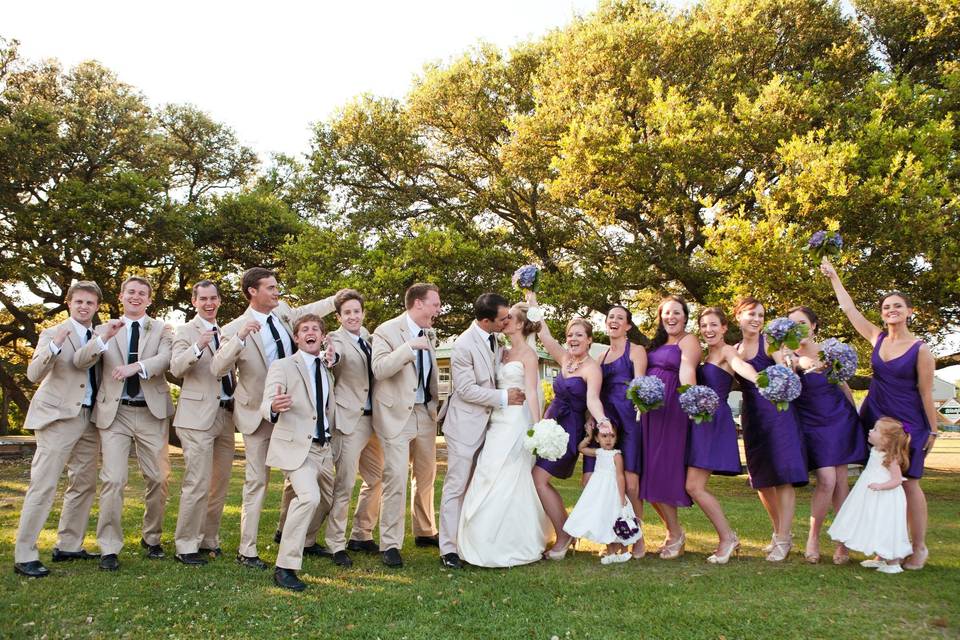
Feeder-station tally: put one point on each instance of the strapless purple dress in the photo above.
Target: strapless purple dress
(616, 406)
(713, 444)
(829, 424)
(771, 439)
(664, 435)
(893, 393)
(568, 408)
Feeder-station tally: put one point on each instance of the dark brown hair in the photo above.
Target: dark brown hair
(205, 283)
(345, 295)
(309, 317)
(712, 311)
(746, 302)
(251, 279)
(810, 313)
(660, 337)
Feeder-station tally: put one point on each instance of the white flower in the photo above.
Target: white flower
(535, 314)
(547, 439)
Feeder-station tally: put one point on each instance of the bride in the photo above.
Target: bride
(502, 523)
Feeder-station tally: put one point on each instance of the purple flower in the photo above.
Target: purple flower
(824, 243)
(841, 360)
(784, 331)
(780, 385)
(526, 277)
(699, 402)
(646, 392)
(626, 529)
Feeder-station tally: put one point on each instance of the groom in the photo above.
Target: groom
(467, 412)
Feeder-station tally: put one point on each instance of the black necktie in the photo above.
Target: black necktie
(92, 374)
(318, 386)
(366, 352)
(493, 343)
(281, 353)
(226, 382)
(423, 378)
(133, 382)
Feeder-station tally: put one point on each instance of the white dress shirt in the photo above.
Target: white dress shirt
(266, 338)
(415, 330)
(126, 354)
(309, 360)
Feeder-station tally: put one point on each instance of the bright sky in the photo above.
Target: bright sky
(269, 69)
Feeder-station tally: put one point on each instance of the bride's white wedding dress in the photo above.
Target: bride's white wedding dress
(502, 523)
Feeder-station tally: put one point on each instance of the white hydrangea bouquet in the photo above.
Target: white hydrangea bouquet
(547, 439)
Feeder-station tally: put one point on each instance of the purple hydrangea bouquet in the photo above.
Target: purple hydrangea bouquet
(646, 393)
(526, 277)
(780, 385)
(840, 358)
(699, 402)
(823, 243)
(784, 331)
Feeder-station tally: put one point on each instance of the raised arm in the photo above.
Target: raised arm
(594, 378)
(689, 359)
(925, 369)
(863, 326)
(554, 348)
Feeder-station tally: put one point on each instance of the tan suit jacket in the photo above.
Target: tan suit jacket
(247, 359)
(63, 384)
(200, 391)
(475, 394)
(154, 354)
(294, 429)
(353, 384)
(395, 370)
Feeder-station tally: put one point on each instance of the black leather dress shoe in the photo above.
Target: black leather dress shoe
(287, 578)
(363, 546)
(66, 556)
(154, 551)
(451, 561)
(32, 569)
(427, 541)
(277, 536)
(192, 559)
(391, 558)
(109, 562)
(216, 553)
(341, 559)
(317, 550)
(251, 562)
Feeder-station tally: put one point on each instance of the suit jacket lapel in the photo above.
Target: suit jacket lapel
(481, 346)
(257, 339)
(72, 336)
(122, 340)
(307, 378)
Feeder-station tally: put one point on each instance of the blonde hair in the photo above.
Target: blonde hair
(895, 442)
(581, 322)
(519, 311)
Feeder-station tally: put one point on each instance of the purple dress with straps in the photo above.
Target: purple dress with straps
(771, 439)
(894, 393)
(664, 435)
(713, 444)
(829, 423)
(616, 406)
(568, 408)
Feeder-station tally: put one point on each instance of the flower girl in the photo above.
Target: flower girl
(873, 518)
(602, 514)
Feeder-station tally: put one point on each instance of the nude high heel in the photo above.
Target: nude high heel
(781, 549)
(560, 554)
(674, 549)
(722, 556)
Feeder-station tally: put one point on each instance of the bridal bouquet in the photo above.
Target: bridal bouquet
(526, 277)
(780, 385)
(840, 358)
(784, 331)
(547, 439)
(823, 243)
(646, 393)
(699, 402)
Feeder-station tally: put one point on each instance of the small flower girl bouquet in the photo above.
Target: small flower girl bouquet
(547, 439)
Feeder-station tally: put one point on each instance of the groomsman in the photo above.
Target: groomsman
(355, 443)
(299, 400)
(59, 416)
(253, 341)
(132, 407)
(204, 424)
(405, 419)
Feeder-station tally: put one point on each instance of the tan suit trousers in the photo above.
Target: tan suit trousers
(256, 479)
(359, 449)
(74, 444)
(416, 442)
(461, 460)
(312, 485)
(132, 425)
(208, 461)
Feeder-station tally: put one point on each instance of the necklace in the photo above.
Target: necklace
(572, 366)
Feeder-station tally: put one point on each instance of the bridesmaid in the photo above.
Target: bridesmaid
(713, 445)
(672, 356)
(831, 434)
(576, 389)
(622, 362)
(902, 388)
(776, 460)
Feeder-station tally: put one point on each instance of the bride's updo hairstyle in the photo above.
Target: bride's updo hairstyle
(519, 312)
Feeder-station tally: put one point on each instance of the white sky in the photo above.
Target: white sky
(269, 69)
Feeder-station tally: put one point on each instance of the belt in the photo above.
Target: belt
(227, 404)
(367, 412)
(134, 403)
(86, 406)
(325, 442)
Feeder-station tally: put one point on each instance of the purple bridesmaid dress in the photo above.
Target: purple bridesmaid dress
(664, 435)
(893, 393)
(829, 424)
(713, 444)
(616, 406)
(771, 439)
(568, 408)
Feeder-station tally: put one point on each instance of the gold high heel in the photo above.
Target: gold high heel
(674, 549)
(781, 549)
(724, 557)
(812, 558)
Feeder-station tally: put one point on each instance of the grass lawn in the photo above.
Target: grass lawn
(576, 598)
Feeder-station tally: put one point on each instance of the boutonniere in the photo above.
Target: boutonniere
(146, 325)
(432, 337)
(285, 319)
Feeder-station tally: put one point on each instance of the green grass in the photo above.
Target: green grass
(576, 598)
